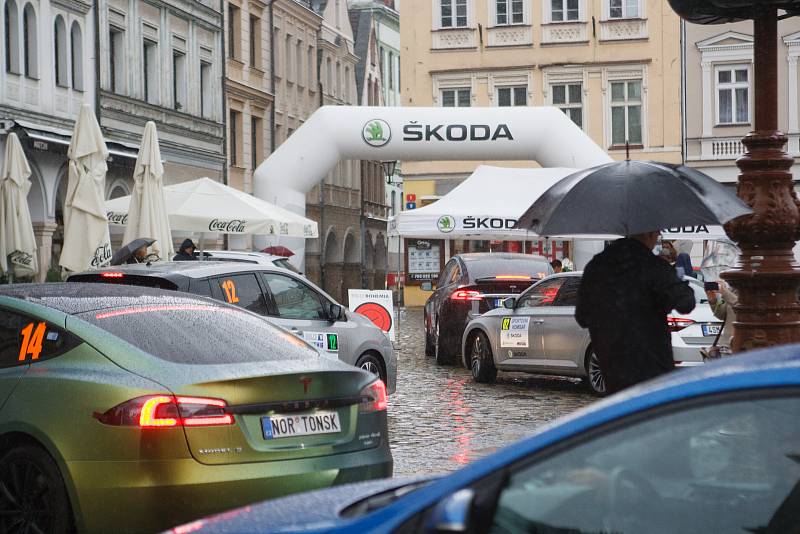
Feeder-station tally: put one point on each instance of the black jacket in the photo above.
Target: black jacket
(625, 295)
(183, 256)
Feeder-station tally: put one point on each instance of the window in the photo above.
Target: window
(116, 60)
(564, 10)
(150, 71)
(24, 340)
(623, 9)
(733, 90)
(393, 202)
(453, 13)
(60, 43)
(206, 91)
(447, 273)
(391, 70)
(713, 467)
(235, 337)
(456, 98)
(293, 299)
(626, 112)
(310, 66)
(287, 59)
(235, 129)
(200, 287)
(255, 42)
(234, 31)
(568, 294)
(243, 290)
(338, 79)
(30, 42)
(11, 25)
(179, 80)
(328, 75)
(76, 51)
(512, 96)
(541, 295)
(256, 144)
(347, 85)
(298, 55)
(510, 11)
(569, 99)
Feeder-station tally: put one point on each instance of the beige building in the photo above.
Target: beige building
(718, 105)
(613, 66)
(248, 89)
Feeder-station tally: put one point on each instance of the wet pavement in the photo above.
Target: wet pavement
(441, 419)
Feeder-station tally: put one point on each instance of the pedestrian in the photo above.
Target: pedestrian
(186, 251)
(557, 266)
(722, 301)
(624, 297)
(139, 255)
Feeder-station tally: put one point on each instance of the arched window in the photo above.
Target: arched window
(30, 42)
(11, 26)
(60, 42)
(76, 49)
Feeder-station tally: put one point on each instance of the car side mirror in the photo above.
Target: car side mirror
(426, 286)
(510, 303)
(335, 312)
(452, 514)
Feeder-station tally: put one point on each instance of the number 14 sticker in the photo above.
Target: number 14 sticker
(32, 337)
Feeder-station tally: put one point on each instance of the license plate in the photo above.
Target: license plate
(711, 329)
(307, 424)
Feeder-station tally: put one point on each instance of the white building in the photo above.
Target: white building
(48, 73)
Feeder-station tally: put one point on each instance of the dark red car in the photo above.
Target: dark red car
(470, 285)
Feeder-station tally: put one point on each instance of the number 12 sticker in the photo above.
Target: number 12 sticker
(32, 338)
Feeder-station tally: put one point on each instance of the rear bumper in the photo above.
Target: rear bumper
(150, 496)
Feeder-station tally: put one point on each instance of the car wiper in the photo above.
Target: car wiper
(379, 500)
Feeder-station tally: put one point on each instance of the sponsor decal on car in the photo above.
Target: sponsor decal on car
(514, 331)
(322, 340)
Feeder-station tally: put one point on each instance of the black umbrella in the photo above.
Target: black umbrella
(631, 197)
(126, 251)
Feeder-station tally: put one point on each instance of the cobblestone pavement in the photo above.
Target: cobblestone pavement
(441, 419)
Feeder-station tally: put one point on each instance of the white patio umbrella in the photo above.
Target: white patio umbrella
(204, 205)
(17, 241)
(147, 215)
(86, 239)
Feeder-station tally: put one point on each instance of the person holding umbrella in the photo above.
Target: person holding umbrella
(186, 252)
(625, 295)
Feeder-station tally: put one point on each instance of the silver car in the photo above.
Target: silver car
(282, 296)
(537, 333)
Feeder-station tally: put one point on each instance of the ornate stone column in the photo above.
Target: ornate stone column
(43, 230)
(767, 277)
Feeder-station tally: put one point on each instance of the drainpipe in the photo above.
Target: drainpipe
(97, 59)
(224, 52)
(322, 233)
(272, 76)
(683, 91)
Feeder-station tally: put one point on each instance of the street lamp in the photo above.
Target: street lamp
(766, 277)
(388, 170)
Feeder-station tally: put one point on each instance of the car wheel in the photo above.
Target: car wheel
(429, 349)
(32, 493)
(594, 375)
(480, 359)
(369, 362)
(442, 353)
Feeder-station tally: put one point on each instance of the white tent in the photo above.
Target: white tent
(484, 206)
(204, 205)
(488, 203)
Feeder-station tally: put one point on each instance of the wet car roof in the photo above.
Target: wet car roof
(491, 256)
(74, 297)
(191, 269)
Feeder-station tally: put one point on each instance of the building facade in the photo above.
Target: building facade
(613, 67)
(334, 260)
(48, 72)
(718, 93)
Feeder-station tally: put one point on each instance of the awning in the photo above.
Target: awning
(50, 134)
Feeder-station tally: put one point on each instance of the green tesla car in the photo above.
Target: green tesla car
(131, 409)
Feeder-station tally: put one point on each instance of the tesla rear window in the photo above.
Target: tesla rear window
(491, 268)
(200, 333)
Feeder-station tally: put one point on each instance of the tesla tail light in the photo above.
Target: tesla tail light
(160, 411)
(373, 398)
(111, 274)
(512, 277)
(465, 294)
(676, 324)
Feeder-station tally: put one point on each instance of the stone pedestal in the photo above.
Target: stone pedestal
(43, 230)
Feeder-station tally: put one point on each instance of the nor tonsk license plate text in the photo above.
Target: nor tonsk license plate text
(285, 426)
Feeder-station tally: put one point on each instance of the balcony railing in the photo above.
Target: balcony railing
(731, 148)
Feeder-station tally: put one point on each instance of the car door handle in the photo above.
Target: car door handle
(296, 332)
(538, 321)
